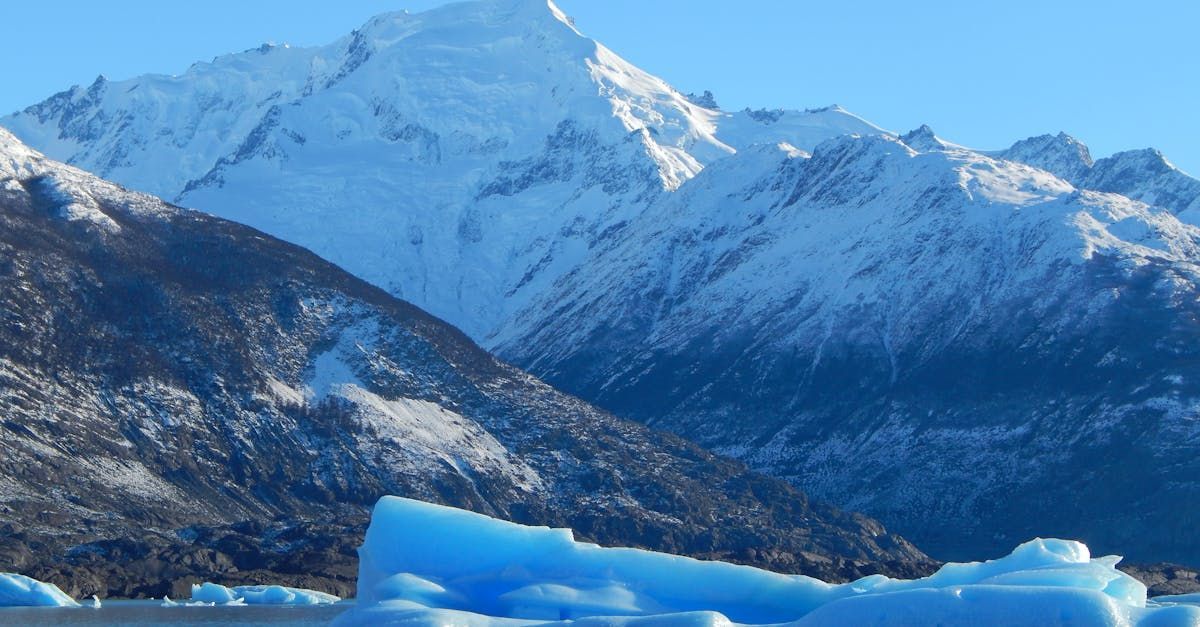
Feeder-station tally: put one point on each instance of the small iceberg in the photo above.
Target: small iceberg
(424, 564)
(167, 602)
(21, 591)
(259, 595)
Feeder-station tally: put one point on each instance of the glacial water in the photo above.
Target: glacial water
(151, 613)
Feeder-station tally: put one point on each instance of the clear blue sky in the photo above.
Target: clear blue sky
(1117, 75)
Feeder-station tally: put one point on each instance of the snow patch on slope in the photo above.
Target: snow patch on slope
(413, 433)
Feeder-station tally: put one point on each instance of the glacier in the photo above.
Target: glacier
(209, 592)
(21, 591)
(425, 564)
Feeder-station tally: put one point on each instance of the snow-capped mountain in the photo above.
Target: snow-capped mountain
(1144, 175)
(462, 158)
(977, 346)
(186, 396)
(1062, 155)
(969, 348)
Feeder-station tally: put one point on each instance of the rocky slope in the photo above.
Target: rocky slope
(185, 395)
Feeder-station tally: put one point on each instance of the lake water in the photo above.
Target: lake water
(151, 613)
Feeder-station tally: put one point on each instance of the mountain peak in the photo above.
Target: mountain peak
(464, 107)
(494, 11)
(1061, 155)
(1147, 175)
(923, 139)
(705, 99)
(1151, 159)
(479, 27)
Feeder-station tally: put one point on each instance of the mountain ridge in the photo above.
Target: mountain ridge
(1143, 174)
(428, 115)
(879, 308)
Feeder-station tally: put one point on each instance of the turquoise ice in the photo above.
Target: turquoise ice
(426, 564)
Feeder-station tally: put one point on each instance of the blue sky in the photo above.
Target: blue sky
(1117, 75)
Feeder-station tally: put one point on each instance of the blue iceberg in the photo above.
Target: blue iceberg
(21, 591)
(258, 595)
(424, 564)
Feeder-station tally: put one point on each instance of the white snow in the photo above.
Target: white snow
(331, 373)
(421, 433)
(209, 592)
(416, 433)
(424, 564)
(19, 590)
(17, 161)
(74, 191)
(284, 392)
(733, 244)
(76, 201)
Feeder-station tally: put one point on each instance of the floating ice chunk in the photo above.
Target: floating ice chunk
(259, 595)
(19, 590)
(425, 564)
(212, 593)
(95, 602)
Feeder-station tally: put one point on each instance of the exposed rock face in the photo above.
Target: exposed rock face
(1162, 579)
(185, 395)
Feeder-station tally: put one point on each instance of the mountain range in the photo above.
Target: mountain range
(973, 346)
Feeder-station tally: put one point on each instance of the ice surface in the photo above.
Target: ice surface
(19, 590)
(259, 595)
(1179, 599)
(424, 564)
